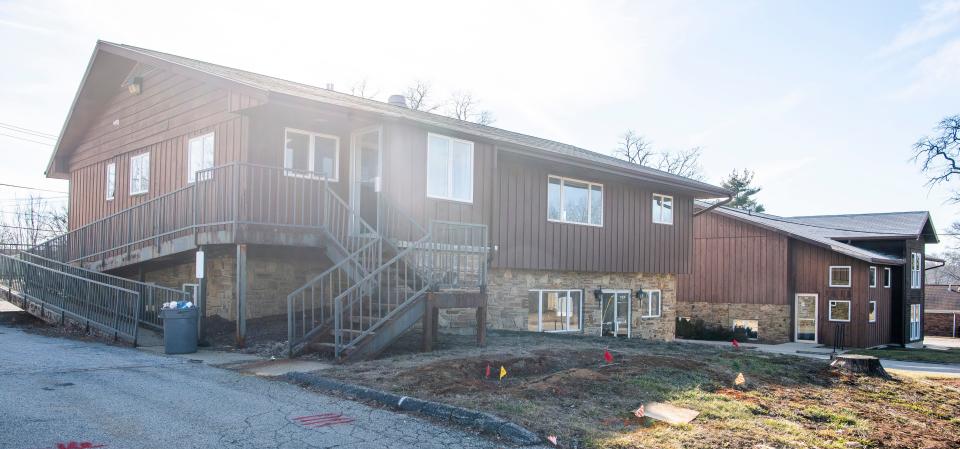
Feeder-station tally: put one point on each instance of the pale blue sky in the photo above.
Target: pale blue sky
(822, 99)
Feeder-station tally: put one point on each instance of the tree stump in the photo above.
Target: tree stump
(859, 364)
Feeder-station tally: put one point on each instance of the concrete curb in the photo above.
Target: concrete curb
(486, 422)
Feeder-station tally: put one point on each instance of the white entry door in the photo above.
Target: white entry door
(365, 173)
(616, 313)
(806, 318)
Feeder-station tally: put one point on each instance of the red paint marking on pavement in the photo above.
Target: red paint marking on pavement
(323, 420)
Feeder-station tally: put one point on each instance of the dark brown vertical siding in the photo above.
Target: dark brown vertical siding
(735, 262)
(170, 110)
(811, 275)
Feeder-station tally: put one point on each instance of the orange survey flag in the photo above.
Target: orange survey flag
(503, 372)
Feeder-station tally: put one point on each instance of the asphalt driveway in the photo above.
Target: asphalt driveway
(59, 393)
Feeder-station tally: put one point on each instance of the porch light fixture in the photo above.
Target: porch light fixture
(598, 293)
(640, 294)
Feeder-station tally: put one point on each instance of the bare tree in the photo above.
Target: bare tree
(938, 154)
(463, 106)
(684, 163)
(949, 273)
(419, 95)
(634, 148)
(30, 222)
(362, 90)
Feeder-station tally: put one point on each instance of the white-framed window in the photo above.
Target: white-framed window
(662, 209)
(140, 174)
(650, 304)
(193, 290)
(552, 310)
(749, 327)
(872, 312)
(110, 188)
(574, 201)
(915, 321)
(840, 276)
(311, 155)
(449, 168)
(839, 311)
(872, 277)
(887, 277)
(916, 270)
(199, 156)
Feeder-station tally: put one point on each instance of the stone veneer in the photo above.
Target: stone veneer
(508, 306)
(272, 273)
(773, 320)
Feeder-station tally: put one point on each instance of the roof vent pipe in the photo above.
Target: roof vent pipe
(398, 100)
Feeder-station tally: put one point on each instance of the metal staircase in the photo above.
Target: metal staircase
(356, 318)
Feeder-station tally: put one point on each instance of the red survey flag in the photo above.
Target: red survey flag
(488, 371)
(735, 343)
(607, 356)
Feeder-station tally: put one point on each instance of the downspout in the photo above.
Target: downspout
(714, 205)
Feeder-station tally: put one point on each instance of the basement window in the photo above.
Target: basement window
(650, 304)
(840, 276)
(872, 315)
(839, 311)
(555, 310)
(748, 327)
(873, 277)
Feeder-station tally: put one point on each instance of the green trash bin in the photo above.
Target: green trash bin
(179, 330)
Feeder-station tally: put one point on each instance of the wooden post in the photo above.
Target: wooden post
(202, 302)
(241, 291)
(428, 323)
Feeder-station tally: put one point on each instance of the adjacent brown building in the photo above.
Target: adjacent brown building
(338, 214)
(941, 316)
(816, 279)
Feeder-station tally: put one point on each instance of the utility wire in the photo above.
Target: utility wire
(26, 140)
(27, 131)
(30, 188)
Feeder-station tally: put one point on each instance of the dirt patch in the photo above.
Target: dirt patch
(562, 386)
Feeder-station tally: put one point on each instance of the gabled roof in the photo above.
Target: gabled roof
(832, 231)
(942, 297)
(262, 86)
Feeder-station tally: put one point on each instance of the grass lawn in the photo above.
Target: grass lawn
(913, 355)
(560, 385)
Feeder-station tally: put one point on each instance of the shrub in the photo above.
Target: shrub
(699, 330)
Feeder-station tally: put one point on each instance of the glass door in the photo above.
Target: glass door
(806, 318)
(616, 313)
(365, 174)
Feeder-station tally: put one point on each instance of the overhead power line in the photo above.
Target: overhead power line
(30, 188)
(27, 131)
(25, 139)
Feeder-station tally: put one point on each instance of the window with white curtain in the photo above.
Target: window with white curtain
(662, 209)
(140, 174)
(574, 201)
(111, 181)
(199, 156)
(449, 168)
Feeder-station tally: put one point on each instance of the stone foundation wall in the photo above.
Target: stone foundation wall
(773, 320)
(940, 324)
(272, 273)
(508, 300)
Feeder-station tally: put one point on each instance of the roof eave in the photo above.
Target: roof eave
(52, 171)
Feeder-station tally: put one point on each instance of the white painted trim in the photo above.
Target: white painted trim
(872, 271)
(354, 172)
(133, 160)
(616, 311)
(653, 197)
(568, 292)
(311, 156)
(830, 310)
(110, 183)
(649, 302)
(916, 270)
(919, 334)
(590, 186)
(192, 174)
(875, 312)
(887, 277)
(849, 276)
(450, 174)
(816, 317)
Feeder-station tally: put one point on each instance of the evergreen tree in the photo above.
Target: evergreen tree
(743, 190)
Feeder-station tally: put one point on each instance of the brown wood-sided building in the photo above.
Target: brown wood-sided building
(810, 279)
(285, 186)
